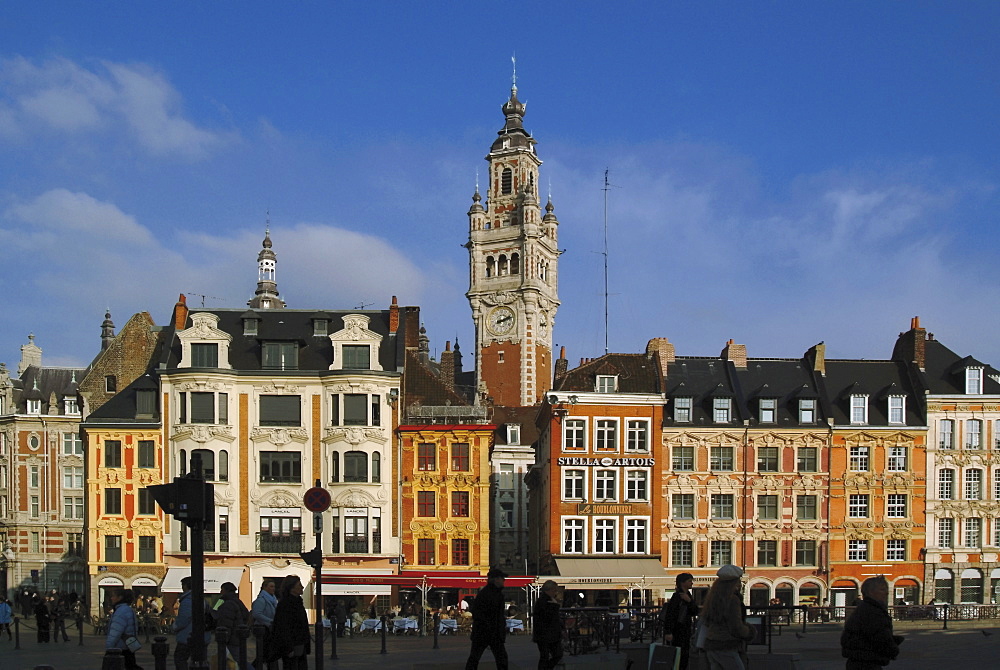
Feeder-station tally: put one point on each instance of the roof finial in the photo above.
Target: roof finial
(513, 59)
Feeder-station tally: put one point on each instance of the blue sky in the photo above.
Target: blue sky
(784, 173)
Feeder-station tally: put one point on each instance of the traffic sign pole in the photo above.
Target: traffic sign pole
(317, 501)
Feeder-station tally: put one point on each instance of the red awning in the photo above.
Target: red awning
(437, 580)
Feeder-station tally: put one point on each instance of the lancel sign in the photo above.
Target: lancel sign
(606, 462)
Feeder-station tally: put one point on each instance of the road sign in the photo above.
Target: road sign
(317, 522)
(317, 499)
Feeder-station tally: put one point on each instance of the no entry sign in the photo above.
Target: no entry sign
(317, 499)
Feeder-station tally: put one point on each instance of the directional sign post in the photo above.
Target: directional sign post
(317, 501)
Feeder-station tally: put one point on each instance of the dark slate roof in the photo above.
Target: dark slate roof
(637, 373)
(877, 379)
(49, 381)
(121, 407)
(315, 352)
(422, 385)
(525, 416)
(945, 371)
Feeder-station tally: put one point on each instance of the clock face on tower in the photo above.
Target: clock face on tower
(501, 320)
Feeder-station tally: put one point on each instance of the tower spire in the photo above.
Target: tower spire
(266, 295)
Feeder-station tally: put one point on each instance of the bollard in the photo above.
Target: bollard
(259, 635)
(436, 631)
(221, 637)
(242, 633)
(333, 640)
(79, 628)
(147, 620)
(385, 621)
(17, 633)
(113, 659)
(945, 616)
(161, 650)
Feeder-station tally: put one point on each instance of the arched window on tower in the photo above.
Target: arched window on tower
(531, 183)
(503, 269)
(515, 264)
(491, 267)
(506, 181)
(541, 270)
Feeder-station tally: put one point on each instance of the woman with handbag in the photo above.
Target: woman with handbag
(123, 628)
(290, 639)
(677, 617)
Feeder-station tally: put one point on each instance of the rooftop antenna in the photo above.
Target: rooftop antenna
(607, 187)
(513, 59)
(203, 296)
(364, 305)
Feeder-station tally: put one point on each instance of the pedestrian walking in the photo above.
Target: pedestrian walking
(184, 624)
(546, 627)
(6, 616)
(41, 619)
(340, 617)
(489, 625)
(122, 625)
(728, 631)
(868, 642)
(678, 615)
(59, 620)
(230, 614)
(290, 640)
(263, 609)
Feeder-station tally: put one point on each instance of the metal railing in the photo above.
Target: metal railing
(280, 544)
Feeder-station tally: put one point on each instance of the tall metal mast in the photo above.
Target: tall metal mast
(607, 187)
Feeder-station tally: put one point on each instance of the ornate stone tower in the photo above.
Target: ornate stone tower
(513, 259)
(266, 295)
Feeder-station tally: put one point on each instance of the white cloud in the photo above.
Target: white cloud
(61, 96)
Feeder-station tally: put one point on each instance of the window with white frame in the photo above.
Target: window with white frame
(768, 459)
(73, 507)
(722, 410)
(35, 506)
(767, 507)
(973, 533)
(71, 405)
(767, 552)
(946, 533)
(859, 409)
(946, 434)
(857, 507)
(637, 435)
(682, 553)
(574, 434)
(807, 459)
(606, 485)
(805, 552)
(720, 552)
(605, 536)
(857, 550)
(896, 459)
(946, 484)
(682, 506)
(722, 506)
(996, 434)
(573, 484)
(73, 477)
(513, 433)
(973, 381)
(897, 409)
(895, 505)
(996, 484)
(682, 458)
(720, 458)
(996, 532)
(34, 406)
(607, 383)
(807, 410)
(636, 532)
(636, 486)
(895, 550)
(973, 434)
(682, 409)
(768, 411)
(805, 508)
(606, 435)
(973, 484)
(858, 460)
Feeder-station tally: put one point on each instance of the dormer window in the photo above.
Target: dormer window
(204, 355)
(145, 402)
(768, 410)
(513, 433)
(357, 357)
(859, 409)
(280, 356)
(320, 328)
(897, 409)
(71, 405)
(34, 406)
(722, 410)
(607, 383)
(110, 384)
(682, 409)
(973, 381)
(807, 410)
(250, 326)
(355, 347)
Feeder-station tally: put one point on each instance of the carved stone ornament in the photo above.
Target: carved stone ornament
(203, 433)
(722, 534)
(727, 484)
(861, 480)
(354, 435)
(110, 526)
(280, 387)
(686, 481)
(899, 480)
(768, 483)
(499, 298)
(279, 436)
(355, 497)
(355, 329)
(807, 483)
(112, 476)
(147, 526)
(275, 498)
(148, 476)
(204, 385)
(367, 387)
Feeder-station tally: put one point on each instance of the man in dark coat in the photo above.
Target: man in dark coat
(677, 615)
(231, 614)
(489, 626)
(546, 627)
(867, 641)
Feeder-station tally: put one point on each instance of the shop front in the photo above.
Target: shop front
(611, 582)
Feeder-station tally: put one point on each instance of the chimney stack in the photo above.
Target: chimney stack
(394, 316)
(664, 350)
(737, 353)
(180, 313)
(448, 367)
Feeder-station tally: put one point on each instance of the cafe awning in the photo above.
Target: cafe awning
(214, 578)
(611, 573)
(414, 579)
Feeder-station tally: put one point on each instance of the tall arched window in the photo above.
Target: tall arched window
(223, 466)
(376, 468)
(335, 467)
(491, 266)
(207, 463)
(506, 181)
(503, 268)
(355, 466)
(515, 264)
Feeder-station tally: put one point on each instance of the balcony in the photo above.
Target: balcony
(355, 544)
(280, 544)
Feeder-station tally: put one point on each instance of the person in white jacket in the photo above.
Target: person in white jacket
(263, 610)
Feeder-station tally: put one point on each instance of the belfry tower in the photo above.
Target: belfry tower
(266, 295)
(513, 277)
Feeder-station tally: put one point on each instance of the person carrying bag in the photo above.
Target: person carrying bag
(123, 629)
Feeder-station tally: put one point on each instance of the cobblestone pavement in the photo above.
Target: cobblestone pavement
(926, 647)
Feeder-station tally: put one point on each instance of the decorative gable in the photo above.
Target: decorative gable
(204, 330)
(350, 342)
